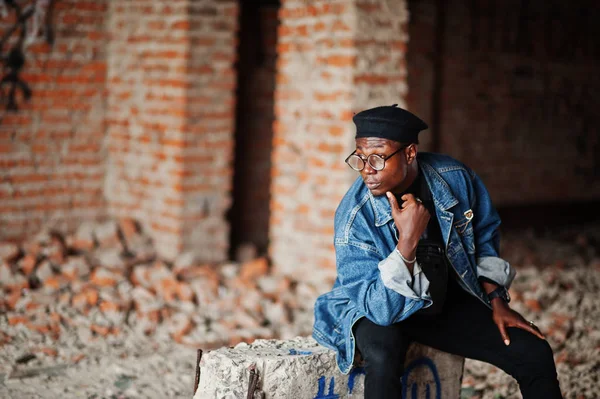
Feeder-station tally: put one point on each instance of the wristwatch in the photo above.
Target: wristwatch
(500, 292)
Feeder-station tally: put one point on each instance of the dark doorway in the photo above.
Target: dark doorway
(508, 89)
(249, 215)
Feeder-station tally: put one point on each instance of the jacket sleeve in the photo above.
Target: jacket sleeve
(396, 276)
(487, 237)
(382, 288)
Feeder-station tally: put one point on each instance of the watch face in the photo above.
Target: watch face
(503, 293)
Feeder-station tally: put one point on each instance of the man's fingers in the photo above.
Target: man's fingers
(539, 332)
(532, 328)
(408, 199)
(504, 334)
(393, 202)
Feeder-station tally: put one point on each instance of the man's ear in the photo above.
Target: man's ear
(411, 153)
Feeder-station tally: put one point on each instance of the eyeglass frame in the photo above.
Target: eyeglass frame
(366, 159)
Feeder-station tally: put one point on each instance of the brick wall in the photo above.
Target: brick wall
(517, 100)
(140, 122)
(137, 123)
(335, 58)
(421, 60)
(254, 130)
(170, 120)
(51, 151)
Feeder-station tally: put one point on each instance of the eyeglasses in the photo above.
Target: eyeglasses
(375, 161)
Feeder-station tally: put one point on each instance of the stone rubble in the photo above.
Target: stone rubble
(97, 314)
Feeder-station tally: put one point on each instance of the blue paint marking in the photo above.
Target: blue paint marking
(321, 392)
(355, 371)
(426, 362)
(331, 387)
(295, 352)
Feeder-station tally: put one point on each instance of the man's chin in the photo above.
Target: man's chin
(377, 192)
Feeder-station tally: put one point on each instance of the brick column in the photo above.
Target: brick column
(335, 58)
(170, 120)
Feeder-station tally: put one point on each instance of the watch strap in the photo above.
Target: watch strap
(500, 292)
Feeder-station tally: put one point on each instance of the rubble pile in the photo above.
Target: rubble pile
(105, 281)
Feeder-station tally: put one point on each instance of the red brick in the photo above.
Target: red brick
(371, 79)
(254, 269)
(183, 25)
(368, 7)
(96, 36)
(90, 6)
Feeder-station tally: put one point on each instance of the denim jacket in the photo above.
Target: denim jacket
(372, 280)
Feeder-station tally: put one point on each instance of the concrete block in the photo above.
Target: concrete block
(302, 369)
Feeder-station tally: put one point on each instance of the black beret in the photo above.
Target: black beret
(389, 122)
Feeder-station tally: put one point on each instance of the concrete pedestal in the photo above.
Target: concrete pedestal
(301, 368)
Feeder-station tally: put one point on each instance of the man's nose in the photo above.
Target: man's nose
(368, 169)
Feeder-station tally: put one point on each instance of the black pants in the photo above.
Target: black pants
(464, 327)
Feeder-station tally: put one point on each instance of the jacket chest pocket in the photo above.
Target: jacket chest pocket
(464, 228)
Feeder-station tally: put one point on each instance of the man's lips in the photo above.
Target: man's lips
(371, 185)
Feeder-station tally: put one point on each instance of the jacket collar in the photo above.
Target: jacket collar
(440, 191)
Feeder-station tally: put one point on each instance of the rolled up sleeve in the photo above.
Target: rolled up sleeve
(397, 277)
(496, 269)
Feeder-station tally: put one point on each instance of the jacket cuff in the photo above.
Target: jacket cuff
(496, 269)
(397, 277)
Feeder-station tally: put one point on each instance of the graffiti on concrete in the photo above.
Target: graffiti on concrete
(355, 372)
(408, 383)
(415, 364)
(321, 392)
(297, 352)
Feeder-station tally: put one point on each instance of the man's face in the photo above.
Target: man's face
(393, 175)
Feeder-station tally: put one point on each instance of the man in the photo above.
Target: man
(416, 241)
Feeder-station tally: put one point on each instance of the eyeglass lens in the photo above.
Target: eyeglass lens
(357, 163)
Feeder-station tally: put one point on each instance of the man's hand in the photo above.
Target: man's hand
(411, 221)
(505, 317)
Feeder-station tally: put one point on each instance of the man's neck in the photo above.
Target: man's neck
(411, 176)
